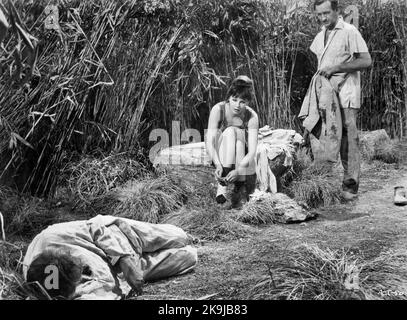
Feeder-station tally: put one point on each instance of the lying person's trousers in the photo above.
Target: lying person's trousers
(165, 249)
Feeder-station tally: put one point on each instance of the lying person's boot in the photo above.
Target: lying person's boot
(400, 196)
(349, 196)
(221, 194)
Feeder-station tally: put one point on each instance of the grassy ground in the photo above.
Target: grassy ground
(370, 231)
(351, 251)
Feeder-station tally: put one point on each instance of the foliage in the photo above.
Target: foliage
(383, 85)
(25, 216)
(149, 200)
(110, 71)
(312, 273)
(91, 177)
(12, 284)
(312, 183)
(208, 223)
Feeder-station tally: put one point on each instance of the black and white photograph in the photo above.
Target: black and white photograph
(203, 155)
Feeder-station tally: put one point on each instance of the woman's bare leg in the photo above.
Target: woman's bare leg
(240, 150)
(227, 148)
(227, 157)
(231, 152)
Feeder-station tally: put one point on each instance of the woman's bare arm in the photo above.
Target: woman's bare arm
(212, 135)
(253, 131)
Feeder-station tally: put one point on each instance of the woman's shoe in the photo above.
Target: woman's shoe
(221, 194)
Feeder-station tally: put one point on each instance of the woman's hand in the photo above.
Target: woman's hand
(218, 173)
(232, 176)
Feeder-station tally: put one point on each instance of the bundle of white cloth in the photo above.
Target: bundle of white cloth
(273, 143)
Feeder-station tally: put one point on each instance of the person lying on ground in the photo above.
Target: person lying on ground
(232, 139)
(88, 259)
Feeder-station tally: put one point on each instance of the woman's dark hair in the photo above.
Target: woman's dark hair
(334, 4)
(241, 88)
(69, 273)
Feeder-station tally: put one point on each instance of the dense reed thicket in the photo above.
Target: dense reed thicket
(384, 89)
(111, 71)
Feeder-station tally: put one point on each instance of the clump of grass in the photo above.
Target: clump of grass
(210, 223)
(6, 192)
(23, 215)
(259, 212)
(91, 178)
(198, 182)
(384, 273)
(26, 216)
(308, 273)
(377, 145)
(301, 161)
(9, 280)
(311, 273)
(147, 200)
(152, 198)
(30, 217)
(388, 153)
(11, 255)
(12, 283)
(311, 182)
(272, 208)
(315, 187)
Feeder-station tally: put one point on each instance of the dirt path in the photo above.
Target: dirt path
(369, 227)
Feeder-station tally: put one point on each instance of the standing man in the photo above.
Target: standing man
(342, 53)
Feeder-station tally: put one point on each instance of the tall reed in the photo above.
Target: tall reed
(114, 70)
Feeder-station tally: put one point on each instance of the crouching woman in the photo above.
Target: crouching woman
(232, 142)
